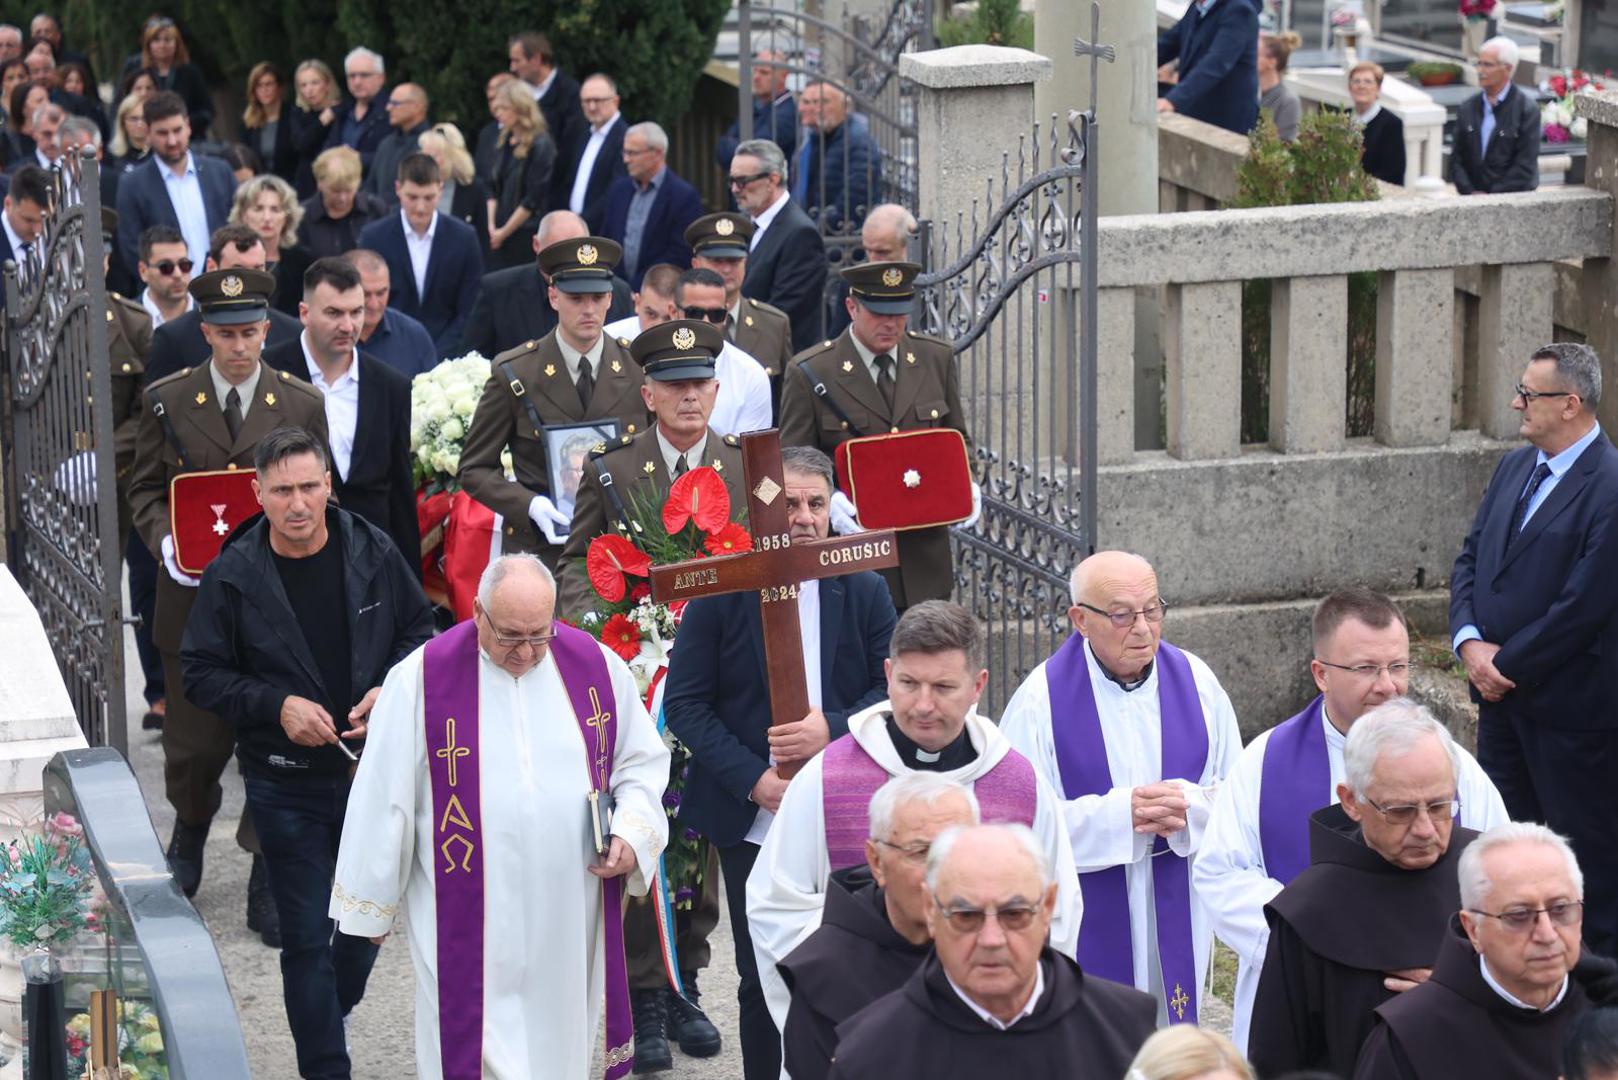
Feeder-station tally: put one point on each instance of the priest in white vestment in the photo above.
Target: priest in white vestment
(543, 928)
(1135, 824)
(1257, 838)
(930, 723)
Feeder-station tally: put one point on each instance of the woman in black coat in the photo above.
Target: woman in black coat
(1384, 134)
(311, 118)
(266, 122)
(164, 55)
(519, 193)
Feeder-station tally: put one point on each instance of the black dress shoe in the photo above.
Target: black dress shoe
(185, 855)
(652, 1052)
(688, 1024)
(261, 913)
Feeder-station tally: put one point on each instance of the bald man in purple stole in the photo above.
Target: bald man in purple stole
(1258, 837)
(1134, 734)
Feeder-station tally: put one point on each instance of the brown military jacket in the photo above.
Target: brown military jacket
(503, 419)
(187, 397)
(129, 335)
(639, 476)
(927, 394)
(764, 333)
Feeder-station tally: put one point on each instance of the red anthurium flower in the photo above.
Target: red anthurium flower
(700, 496)
(606, 562)
(640, 592)
(622, 636)
(729, 540)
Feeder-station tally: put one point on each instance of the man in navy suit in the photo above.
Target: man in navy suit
(647, 211)
(775, 113)
(600, 160)
(1216, 43)
(838, 169)
(174, 187)
(717, 701)
(1534, 617)
(433, 259)
(786, 264)
(23, 220)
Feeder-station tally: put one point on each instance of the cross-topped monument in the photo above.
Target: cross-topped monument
(774, 569)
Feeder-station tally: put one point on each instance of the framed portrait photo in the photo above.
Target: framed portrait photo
(566, 448)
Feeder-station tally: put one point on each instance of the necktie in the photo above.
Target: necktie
(1519, 517)
(680, 466)
(884, 380)
(587, 382)
(233, 413)
(730, 329)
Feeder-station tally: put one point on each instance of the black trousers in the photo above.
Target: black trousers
(1569, 781)
(143, 602)
(761, 1043)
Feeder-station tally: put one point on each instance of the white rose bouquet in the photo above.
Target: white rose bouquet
(442, 402)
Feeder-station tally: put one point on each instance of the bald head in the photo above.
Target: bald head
(559, 225)
(1117, 609)
(515, 604)
(885, 236)
(1106, 571)
(407, 106)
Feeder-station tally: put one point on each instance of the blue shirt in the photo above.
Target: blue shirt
(640, 208)
(402, 343)
(185, 195)
(1559, 466)
(1486, 129)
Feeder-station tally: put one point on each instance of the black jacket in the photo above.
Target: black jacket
(788, 270)
(283, 157)
(373, 127)
(308, 136)
(1384, 156)
(323, 236)
(244, 653)
(513, 308)
(1511, 161)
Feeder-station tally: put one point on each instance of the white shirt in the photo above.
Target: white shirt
(155, 312)
(421, 250)
(244, 389)
(1363, 118)
(16, 243)
(809, 634)
(1512, 999)
(570, 357)
(587, 164)
(743, 401)
(544, 87)
(342, 406)
(671, 456)
(994, 1021)
(762, 222)
(185, 195)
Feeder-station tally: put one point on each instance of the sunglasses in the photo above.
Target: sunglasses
(168, 266)
(711, 314)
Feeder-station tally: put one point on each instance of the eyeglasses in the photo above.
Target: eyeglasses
(965, 920)
(595, 100)
(1443, 809)
(637, 153)
(1521, 920)
(537, 642)
(363, 74)
(739, 182)
(710, 314)
(1371, 671)
(1125, 619)
(1529, 395)
(916, 853)
(168, 266)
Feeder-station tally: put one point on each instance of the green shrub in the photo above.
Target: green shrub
(995, 22)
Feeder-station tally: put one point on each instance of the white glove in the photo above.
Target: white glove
(977, 507)
(76, 478)
(845, 519)
(549, 520)
(174, 568)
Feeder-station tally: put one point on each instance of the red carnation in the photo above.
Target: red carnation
(606, 562)
(622, 636)
(700, 496)
(730, 540)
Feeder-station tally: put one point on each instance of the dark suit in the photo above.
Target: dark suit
(836, 174)
(775, 120)
(513, 307)
(143, 201)
(564, 119)
(607, 168)
(717, 701)
(1218, 54)
(283, 157)
(674, 207)
(373, 128)
(179, 343)
(1511, 161)
(787, 269)
(453, 270)
(384, 169)
(378, 486)
(1551, 603)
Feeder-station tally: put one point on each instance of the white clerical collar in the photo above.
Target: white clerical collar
(693, 456)
(989, 1017)
(1511, 999)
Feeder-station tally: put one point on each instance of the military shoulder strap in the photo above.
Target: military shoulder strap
(521, 394)
(173, 437)
(629, 528)
(820, 390)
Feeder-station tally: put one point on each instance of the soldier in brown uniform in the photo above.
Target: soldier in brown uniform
(129, 335)
(877, 377)
(573, 374)
(719, 243)
(198, 419)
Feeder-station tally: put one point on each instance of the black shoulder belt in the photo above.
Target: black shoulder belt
(173, 437)
(521, 395)
(820, 391)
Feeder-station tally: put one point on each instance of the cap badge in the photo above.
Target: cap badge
(683, 338)
(231, 286)
(892, 276)
(587, 255)
(724, 226)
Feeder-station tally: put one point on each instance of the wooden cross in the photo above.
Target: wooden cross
(773, 569)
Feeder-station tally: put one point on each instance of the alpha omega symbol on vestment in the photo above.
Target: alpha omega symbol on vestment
(454, 813)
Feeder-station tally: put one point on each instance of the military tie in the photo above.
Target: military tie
(680, 466)
(730, 329)
(1519, 517)
(884, 380)
(587, 381)
(233, 413)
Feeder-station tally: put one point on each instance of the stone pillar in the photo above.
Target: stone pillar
(1115, 376)
(1415, 322)
(1308, 363)
(1600, 289)
(1203, 365)
(1514, 319)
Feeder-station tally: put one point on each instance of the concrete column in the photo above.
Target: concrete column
(1415, 324)
(1115, 376)
(1308, 363)
(1514, 319)
(1203, 361)
(1600, 289)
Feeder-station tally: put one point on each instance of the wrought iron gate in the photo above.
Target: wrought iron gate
(61, 523)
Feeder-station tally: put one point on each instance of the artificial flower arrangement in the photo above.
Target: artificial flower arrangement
(140, 1043)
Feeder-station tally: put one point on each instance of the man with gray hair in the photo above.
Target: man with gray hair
(1510, 978)
(775, 110)
(994, 995)
(10, 42)
(1364, 921)
(873, 931)
(361, 123)
(1497, 132)
(1533, 616)
(566, 805)
(786, 256)
(648, 210)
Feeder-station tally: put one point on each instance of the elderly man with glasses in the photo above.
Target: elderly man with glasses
(994, 995)
(1364, 920)
(1134, 735)
(1511, 977)
(786, 257)
(1496, 132)
(1258, 835)
(361, 122)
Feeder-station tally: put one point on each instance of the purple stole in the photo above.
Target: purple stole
(1296, 781)
(849, 777)
(1081, 756)
(450, 695)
